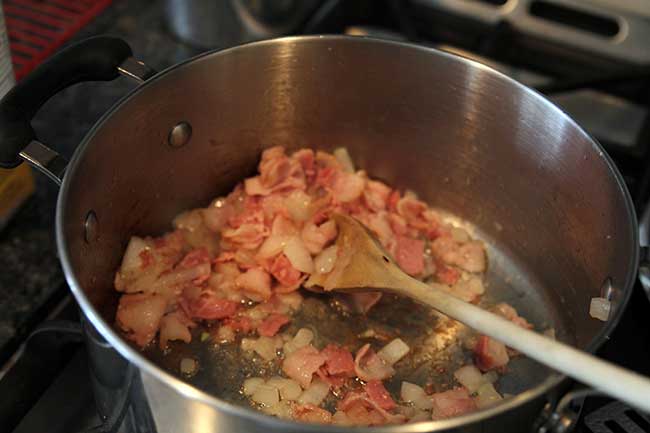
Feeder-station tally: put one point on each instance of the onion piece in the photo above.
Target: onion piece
(266, 395)
(343, 156)
(298, 255)
(298, 205)
(490, 377)
(188, 366)
(413, 393)
(470, 377)
(281, 410)
(251, 384)
(486, 396)
(266, 347)
(289, 389)
(324, 261)
(302, 338)
(272, 246)
(315, 393)
(600, 308)
(393, 351)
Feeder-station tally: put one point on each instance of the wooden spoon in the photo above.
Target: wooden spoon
(363, 265)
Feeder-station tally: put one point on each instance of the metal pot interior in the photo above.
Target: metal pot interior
(468, 140)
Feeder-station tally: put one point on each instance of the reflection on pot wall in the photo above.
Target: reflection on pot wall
(220, 24)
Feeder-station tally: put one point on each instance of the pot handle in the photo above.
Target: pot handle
(98, 58)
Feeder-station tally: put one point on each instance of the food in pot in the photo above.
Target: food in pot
(230, 274)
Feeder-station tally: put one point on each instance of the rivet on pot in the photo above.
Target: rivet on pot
(180, 134)
(90, 227)
(607, 289)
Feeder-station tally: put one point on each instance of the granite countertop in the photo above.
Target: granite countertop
(31, 277)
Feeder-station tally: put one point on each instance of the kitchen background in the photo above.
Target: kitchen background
(591, 57)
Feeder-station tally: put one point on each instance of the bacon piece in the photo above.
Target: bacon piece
(447, 275)
(377, 393)
(272, 324)
(369, 366)
(452, 403)
(490, 354)
(255, 283)
(409, 255)
(311, 414)
(375, 195)
(339, 361)
(302, 364)
(209, 306)
(139, 315)
(361, 410)
(247, 235)
(286, 274)
(508, 312)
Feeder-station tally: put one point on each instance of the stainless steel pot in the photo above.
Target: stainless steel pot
(546, 196)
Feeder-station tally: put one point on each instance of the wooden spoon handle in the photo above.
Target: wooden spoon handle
(611, 379)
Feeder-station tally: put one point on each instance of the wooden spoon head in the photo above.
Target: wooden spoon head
(361, 265)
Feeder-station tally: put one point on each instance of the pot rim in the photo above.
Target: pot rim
(189, 391)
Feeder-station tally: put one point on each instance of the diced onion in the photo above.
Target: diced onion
(264, 346)
(393, 351)
(272, 246)
(289, 389)
(342, 155)
(298, 205)
(470, 377)
(324, 262)
(188, 366)
(251, 384)
(412, 393)
(486, 396)
(490, 377)
(281, 410)
(266, 395)
(298, 255)
(315, 393)
(302, 338)
(599, 309)
(459, 235)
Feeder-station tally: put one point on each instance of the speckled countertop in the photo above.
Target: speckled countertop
(30, 276)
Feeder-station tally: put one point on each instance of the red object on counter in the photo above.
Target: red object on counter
(36, 28)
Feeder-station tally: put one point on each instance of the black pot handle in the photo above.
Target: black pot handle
(93, 59)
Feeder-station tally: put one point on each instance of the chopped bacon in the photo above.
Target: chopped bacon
(490, 354)
(375, 195)
(339, 361)
(247, 235)
(306, 159)
(410, 208)
(447, 275)
(255, 283)
(470, 255)
(242, 323)
(209, 306)
(139, 315)
(392, 201)
(511, 314)
(311, 414)
(302, 364)
(377, 393)
(369, 366)
(409, 255)
(452, 403)
(286, 274)
(362, 410)
(272, 324)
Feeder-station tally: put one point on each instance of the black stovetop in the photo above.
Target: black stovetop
(45, 387)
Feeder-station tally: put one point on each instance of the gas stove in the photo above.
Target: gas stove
(591, 57)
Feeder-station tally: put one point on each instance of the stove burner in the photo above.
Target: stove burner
(617, 417)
